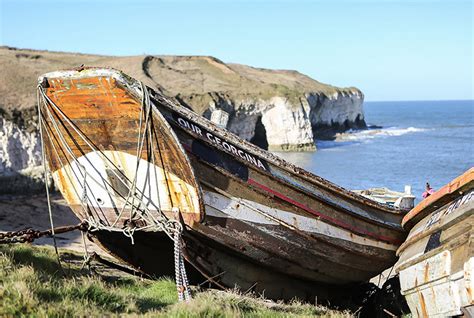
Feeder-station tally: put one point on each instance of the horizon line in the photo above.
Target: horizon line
(420, 100)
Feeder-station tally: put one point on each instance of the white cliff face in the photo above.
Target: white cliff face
(337, 109)
(18, 149)
(243, 124)
(244, 115)
(291, 126)
(288, 126)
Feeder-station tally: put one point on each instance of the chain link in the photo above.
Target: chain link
(29, 235)
(22, 236)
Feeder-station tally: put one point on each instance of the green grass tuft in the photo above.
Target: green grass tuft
(32, 284)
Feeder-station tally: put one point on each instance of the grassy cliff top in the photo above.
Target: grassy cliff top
(174, 75)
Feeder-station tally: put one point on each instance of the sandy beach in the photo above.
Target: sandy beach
(18, 212)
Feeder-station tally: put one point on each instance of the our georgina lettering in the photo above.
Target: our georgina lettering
(223, 144)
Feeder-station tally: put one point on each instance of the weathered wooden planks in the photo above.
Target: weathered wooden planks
(436, 262)
(96, 128)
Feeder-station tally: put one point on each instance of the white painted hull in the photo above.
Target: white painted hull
(436, 265)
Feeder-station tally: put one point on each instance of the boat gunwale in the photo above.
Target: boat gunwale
(428, 205)
(340, 209)
(435, 228)
(281, 163)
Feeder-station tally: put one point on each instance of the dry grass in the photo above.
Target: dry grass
(32, 284)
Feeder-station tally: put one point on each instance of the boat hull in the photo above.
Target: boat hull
(279, 220)
(436, 264)
(252, 220)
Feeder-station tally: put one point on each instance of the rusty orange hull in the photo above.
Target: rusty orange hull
(252, 219)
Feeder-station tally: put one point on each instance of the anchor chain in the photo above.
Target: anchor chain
(29, 235)
(22, 236)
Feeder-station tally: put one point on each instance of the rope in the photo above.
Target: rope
(134, 198)
(93, 222)
(46, 180)
(140, 142)
(86, 252)
(75, 159)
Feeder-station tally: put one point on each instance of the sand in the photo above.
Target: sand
(18, 212)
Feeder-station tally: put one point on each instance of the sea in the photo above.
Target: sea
(408, 143)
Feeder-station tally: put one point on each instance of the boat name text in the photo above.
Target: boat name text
(230, 148)
(435, 217)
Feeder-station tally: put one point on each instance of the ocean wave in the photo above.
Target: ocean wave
(361, 135)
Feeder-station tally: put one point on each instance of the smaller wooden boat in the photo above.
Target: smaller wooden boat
(436, 264)
(403, 200)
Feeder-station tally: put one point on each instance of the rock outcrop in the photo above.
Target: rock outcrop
(19, 149)
(278, 110)
(20, 159)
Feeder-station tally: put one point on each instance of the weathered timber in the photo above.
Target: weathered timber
(436, 262)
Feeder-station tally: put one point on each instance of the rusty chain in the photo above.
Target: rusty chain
(29, 235)
(22, 236)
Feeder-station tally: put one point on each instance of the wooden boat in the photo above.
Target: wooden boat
(404, 200)
(252, 220)
(436, 263)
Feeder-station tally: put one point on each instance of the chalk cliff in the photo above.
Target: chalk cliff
(278, 110)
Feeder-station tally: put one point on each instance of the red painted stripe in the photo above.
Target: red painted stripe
(324, 217)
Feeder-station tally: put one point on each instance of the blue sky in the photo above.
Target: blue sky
(391, 50)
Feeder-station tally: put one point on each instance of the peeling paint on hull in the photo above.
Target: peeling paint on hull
(437, 259)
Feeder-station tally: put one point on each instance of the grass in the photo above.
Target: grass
(32, 284)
